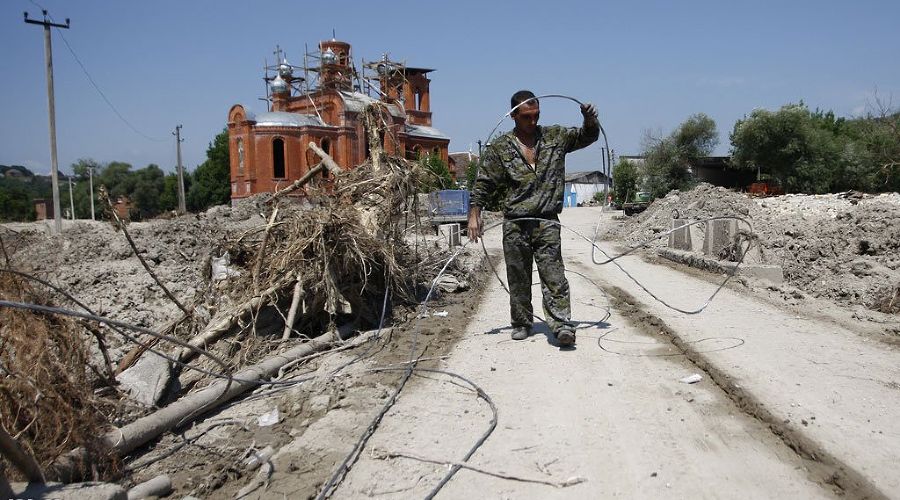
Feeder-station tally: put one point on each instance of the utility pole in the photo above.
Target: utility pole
(178, 140)
(71, 200)
(48, 57)
(605, 166)
(91, 171)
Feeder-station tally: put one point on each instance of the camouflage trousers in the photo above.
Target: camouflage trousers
(524, 241)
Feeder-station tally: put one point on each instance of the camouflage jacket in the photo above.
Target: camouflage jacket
(506, 182)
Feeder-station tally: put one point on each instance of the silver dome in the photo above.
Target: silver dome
(278, 85)
(329, 57)
(285, 70)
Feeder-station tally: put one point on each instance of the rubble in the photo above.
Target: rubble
(338, 261)
(843, 247)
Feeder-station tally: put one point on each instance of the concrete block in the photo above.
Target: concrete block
(680, 239)
(719, 234)
(451, 232)
(148, 379)
(74, 491)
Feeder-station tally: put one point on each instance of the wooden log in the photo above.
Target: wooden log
(157, 487)
(260, 254)
(298, 183)
(292, 313)
(221, 324)
(329, 162)
(126, 439)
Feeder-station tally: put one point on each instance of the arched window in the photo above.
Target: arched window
(326, 147)
(278, 158)
(240, 150)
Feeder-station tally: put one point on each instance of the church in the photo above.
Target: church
(325, 105)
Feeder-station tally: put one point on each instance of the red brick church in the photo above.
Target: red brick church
(324, 105)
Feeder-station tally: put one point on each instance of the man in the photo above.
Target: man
(523, 175)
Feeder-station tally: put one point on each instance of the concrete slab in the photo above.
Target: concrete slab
(767, 272)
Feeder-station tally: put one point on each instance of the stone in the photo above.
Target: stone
(148, 379)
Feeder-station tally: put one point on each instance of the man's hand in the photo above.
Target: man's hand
(589, 112)
(474, 223)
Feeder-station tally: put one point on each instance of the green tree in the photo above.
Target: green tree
(168, 199)
(212, 179)
(16, 200)
(148, 186)
(625, 181)
(437, 175)
(668, 160)
(118, 179)
(803, 151)
(81, 168)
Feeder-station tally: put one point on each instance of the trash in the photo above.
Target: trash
(691, 379)
(269, 418)
(221, 269)
(449, 283)
(260, 457)
(440, 314)
(572, 481)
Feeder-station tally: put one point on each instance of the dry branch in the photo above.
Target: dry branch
(222, 324)
(383, 455)
(298, 183)
(257, 266)
(17, 456)
(137, 254)
(292, 313)
(128, 438)
(329, 162)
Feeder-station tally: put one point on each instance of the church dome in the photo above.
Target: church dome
(278, 85)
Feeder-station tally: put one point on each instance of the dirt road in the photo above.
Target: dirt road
(788, 406)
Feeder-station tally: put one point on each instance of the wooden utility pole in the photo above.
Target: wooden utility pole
(91, 171)
(182, 208)
(71, 200)
(48, 56)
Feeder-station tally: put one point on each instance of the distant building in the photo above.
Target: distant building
(582, 186)
(458, 162)
(42, 209)
(324, 105)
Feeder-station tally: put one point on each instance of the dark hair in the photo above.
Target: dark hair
(520, 97)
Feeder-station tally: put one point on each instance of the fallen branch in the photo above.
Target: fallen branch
(384, 455)
(218, 328)
(126, 439)
(159, 486)
(17, 456)
(257, 266)
(298, 183)
(141, 259)
(292, 313)
(329, 162)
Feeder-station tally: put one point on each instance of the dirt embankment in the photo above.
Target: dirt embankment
(843, 247)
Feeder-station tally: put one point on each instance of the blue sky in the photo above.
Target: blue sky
(647, 65)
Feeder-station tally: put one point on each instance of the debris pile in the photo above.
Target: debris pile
(266, 276)
(47, 379)
(843, 247)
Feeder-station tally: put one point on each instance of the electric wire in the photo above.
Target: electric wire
(94, 83)
(411, 367)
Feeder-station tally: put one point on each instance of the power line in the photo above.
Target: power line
(97, 87)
